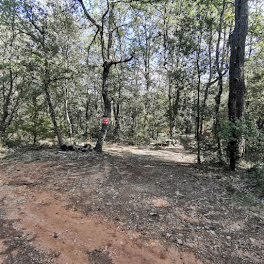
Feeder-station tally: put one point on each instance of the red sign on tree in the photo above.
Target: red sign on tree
(105, 120)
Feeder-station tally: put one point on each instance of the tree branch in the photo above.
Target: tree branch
(93, 40)
(215, 80)
(105, 13)
(88, 16)
(122, 61)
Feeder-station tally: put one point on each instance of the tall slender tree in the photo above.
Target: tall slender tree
(236, 77)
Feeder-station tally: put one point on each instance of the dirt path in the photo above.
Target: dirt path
(72, 237)
(130, 205)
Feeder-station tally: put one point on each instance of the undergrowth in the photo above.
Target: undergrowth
(255, 180)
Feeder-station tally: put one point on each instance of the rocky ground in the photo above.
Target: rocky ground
(128, 205)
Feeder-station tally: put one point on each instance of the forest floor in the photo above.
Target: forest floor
(129, 205)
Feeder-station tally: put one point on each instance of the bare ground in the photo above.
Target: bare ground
(127, 206)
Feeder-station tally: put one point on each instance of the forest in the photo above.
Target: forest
(108, 89)
(155, 70)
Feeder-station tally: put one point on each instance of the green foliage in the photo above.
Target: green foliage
(34, 126)
(248, 131)
(242, 129)
(40, 128)
(255, 177)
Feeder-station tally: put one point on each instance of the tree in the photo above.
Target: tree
(12, 72)
(48, 52)
(106, 30)
(236, 77)
(219, 68)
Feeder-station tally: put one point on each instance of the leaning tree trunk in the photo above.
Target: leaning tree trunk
(51, 108)
(236, 76)
(53, 116)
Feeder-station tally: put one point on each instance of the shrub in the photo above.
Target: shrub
(255, 178)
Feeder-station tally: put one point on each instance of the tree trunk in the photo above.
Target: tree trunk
(117, 121)
(107, 107)
(219, 67)
(198, 116)
(53, 115)
(207, 87)
(87, 116)
(198, 136)
(117, 129)
(217, 118)
(171, 119)
(236, 76)
(67, 112)
(106, 51)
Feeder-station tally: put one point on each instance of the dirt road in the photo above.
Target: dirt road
(127, 206)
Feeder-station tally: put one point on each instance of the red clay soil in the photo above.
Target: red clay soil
(72, 237)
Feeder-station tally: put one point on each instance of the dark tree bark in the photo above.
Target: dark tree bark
(198, 116)
(107, 107)
(198, 136)
(117, 112)
(236, 76)
(107, 102)
(171, 119)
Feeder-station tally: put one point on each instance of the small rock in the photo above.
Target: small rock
(30, 236)
(56, 254)
(153, 214)
(252, 240)
(179, 241)
(168, 235)
(228, 237)
(55, 235)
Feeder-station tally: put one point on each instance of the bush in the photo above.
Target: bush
(255, 178)
(254, 138)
